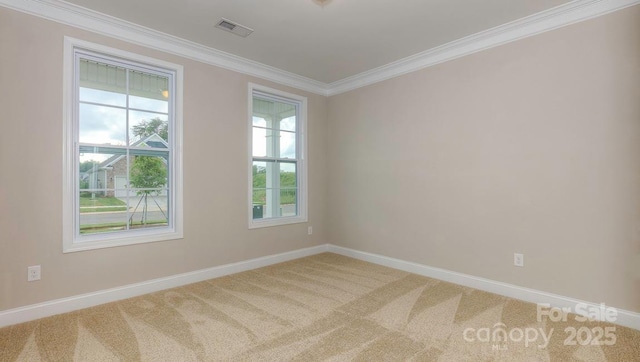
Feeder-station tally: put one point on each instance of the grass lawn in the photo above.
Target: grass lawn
(101, 201)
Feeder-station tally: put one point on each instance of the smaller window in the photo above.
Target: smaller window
(277, 170)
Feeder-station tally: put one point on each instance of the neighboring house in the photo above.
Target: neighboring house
(112, 173)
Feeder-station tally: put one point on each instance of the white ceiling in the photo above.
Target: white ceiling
(326, 43)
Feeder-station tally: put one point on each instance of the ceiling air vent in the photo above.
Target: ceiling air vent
(234, 28)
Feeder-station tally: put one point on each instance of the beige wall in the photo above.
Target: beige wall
(215, 174)
(531, 147)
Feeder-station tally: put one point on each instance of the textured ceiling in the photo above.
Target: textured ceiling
(325, 43)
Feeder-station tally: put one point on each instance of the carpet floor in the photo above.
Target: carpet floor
(325, 307)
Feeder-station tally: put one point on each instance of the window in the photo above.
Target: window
(122, 161)
(277, 188)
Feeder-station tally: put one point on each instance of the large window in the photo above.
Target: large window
(277, 164)
(122, 157)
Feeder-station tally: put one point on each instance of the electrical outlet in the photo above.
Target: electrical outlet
(309, 230)
(33, 273)
(518, 259)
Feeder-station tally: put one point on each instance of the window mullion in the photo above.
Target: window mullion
(128, 157)
(299, 152)
(276, 172)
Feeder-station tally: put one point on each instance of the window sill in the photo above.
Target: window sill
(264, 223)
(110, 241)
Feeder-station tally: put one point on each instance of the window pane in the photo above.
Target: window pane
(100, 210)
(262, 142)
(288, 189)
(259, 122)
(287, 174)
(102, 214)
(102, 76)
(287, 144)
(149, 209)
(288, 202)
(274, 189)
(148, 192)
(145, 87)
(259, 182)
(143, 125)
(148, 173)
(288, 124)
(102, 125)
(259, 201)
(87, 173)
(149, 104)
(103, 97)
(97, 166)
(274, 129)
(262, 108)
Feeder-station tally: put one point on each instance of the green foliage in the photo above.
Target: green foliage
(287, 197)
(287, 180)
(88, 165)
(259, 177)
(147, 128)
(148, 172)
(101, 201)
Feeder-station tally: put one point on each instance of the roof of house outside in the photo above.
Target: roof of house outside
(154, 141)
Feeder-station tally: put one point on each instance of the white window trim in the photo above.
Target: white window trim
(301, 144)
(69, 178)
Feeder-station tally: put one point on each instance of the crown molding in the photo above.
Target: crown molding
(563, 15)
(73, 15)
(79, 17)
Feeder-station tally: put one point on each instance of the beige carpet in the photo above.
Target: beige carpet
(325, 307)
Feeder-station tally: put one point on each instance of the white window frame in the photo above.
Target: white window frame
(72, 240)
(301, 158)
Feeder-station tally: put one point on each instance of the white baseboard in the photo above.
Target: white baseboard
(624, 318)
(64, 305)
